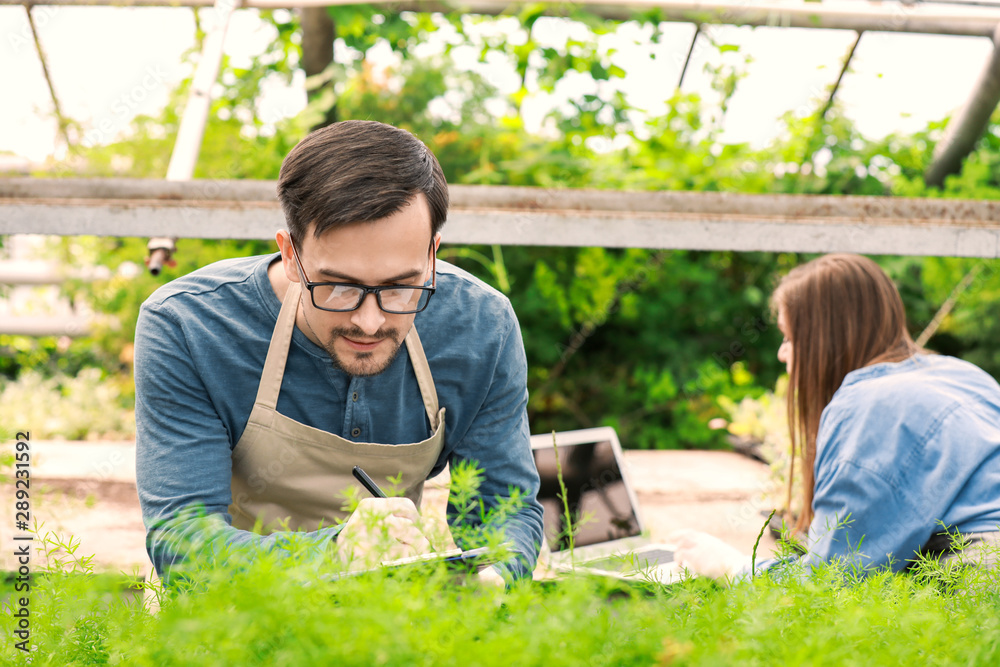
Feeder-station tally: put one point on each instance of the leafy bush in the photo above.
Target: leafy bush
(90, 406)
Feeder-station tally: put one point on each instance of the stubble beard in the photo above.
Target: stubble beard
(365, 364)
(362, 364)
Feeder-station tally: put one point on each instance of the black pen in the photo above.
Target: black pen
(367, 482)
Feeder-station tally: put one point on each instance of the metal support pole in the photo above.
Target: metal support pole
(840, 77)
(192, 128)
(811, 146)
(687, 60)
(968, 125)
(318, 36)
(60, 118)
(187, 146)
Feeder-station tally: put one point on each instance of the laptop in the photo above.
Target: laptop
(608, 529)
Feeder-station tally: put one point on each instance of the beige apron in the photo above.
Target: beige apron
(284, 470)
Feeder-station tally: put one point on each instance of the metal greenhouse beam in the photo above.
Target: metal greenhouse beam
(968, 125)
(846, 65)
(690, 53)
(529, 216)
(856, 16)
(187, 146)
(815, 141)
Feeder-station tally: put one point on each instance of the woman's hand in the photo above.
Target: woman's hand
(490, 576)
(705, 554)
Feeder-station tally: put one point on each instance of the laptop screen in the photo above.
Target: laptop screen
(599, 504)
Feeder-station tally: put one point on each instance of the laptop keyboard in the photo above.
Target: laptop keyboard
(656, 556)
(625, 563)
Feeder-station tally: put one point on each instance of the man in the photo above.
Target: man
(261, 382)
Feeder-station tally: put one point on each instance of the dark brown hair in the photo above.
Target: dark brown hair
(358, 171)
(841, 312)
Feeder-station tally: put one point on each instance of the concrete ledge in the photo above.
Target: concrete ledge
(98, 460)
(722, 493)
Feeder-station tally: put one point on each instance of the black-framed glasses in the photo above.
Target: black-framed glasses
(344, 297)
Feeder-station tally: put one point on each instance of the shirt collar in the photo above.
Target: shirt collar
(883, 369)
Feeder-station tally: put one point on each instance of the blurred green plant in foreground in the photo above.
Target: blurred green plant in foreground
(295, 606)
(281, 611)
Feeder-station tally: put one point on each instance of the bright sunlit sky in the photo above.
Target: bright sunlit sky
(109, 64)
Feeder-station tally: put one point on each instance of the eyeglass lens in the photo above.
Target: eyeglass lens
(345, 297)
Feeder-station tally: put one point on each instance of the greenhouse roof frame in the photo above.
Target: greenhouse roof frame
(960, 138)
(916, 17)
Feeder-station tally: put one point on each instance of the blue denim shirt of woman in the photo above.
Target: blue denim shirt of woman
(905, 450)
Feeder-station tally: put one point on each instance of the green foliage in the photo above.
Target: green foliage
(283, 612)
(88, 405)
(645, 341)
(970, 331)
(652, 342)
(46, 354)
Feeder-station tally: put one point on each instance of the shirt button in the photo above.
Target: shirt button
(354, 397)
(356, 432)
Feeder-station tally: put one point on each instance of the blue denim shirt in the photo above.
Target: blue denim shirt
(902, 449)
(200, 346)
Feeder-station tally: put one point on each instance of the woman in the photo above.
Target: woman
(897, 444)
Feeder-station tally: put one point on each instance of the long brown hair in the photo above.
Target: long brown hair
(841, 313)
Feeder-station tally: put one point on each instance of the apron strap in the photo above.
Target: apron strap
(423, 372)
(277, 351)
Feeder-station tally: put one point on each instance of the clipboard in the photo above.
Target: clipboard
(467, 561)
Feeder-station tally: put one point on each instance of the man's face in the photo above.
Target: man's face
(391, 251)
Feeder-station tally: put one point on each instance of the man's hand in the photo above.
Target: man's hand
(381, 529)
(706, 555)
